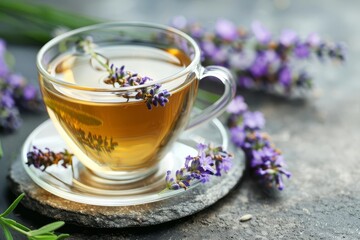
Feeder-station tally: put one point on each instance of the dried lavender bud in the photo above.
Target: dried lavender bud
(42, 160)
(210, 161)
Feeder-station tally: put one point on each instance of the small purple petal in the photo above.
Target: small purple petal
(237, 105)
(260, 32)
(285, 77)
(302, 51)
(288, 37)
(29, 92)
(226, 30)
(313, 39)
(254, 120)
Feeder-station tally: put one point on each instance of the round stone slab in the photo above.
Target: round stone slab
(190, 202)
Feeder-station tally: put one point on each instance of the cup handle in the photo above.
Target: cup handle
(219, 106)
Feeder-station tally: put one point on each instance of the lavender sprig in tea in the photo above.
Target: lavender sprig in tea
(120, 77)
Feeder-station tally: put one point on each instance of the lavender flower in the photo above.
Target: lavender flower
(119, 77)
(42, 160)
(261, 34)
(15, 94)
(153, 96)
(226, 30)
(263, 159)
(288, 37)
(237, 105)
(209, 162)
(256, 57)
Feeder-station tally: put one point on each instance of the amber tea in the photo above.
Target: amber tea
(107, 131)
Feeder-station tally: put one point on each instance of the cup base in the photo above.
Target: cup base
(120, 178)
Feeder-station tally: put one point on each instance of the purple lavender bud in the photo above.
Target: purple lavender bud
(285, 172)
(288, 37)
(204, 178)
(15, 80)
(253, 120)
(302, 51)
(226, 164)
(148, 105)
(226, 30)
(261, 33)
(313, 39)
(155, 102)
(246, 82)
(237, 105)
(201, 147)
(7, 99)
(285, 77)
(188, 159)
(279, 182)
(151, 91)
(9, 119)
(29, 92)
(237, 136)
(260, 66)
(208, 48)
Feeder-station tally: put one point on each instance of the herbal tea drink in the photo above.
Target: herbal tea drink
(117, 134)
(121, 99)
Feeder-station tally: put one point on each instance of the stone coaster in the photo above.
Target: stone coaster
(190, 202)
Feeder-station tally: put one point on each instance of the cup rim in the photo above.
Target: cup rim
(195, 60)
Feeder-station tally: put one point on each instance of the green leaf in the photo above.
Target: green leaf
(13, 205)
(47, 228)
(63, 236)
(7, 232)
(18, 228)
(48, 236)
(16, 224)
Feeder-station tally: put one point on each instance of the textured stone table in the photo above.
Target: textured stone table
(319, 137)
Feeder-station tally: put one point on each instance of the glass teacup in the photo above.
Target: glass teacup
(114, 129)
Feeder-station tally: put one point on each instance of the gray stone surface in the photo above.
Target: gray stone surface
(319, 136)
(176, 207)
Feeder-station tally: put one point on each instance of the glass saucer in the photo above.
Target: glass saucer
(76, 183)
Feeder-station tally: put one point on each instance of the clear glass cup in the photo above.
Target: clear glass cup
(114, 137)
